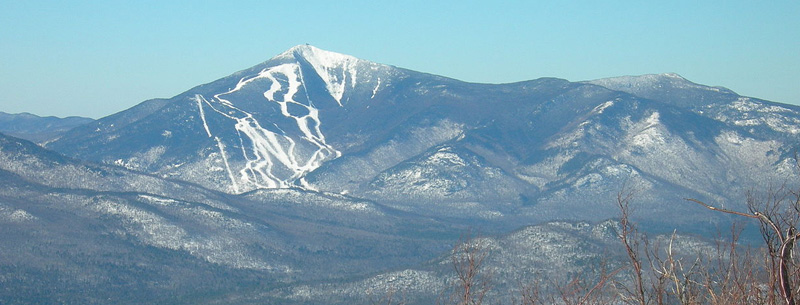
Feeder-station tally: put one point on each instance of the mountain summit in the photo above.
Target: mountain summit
(667, 86)
(336, 70)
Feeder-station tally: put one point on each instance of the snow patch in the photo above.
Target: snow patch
(600, 108)
(158, 200)
(746, 112)
(648, 134)
(445, 156)
(9, 214)
(375, 91)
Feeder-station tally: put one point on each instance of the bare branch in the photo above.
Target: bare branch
(721, 210)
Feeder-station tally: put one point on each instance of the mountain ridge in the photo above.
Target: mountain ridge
(39, 129)
(319, 120)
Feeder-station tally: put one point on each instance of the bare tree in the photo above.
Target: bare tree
(582, 290)
(727, 275)
(778, 216)
(682, 281)
(631, 241)
(736, 276)
(593, 287)
(473, 282)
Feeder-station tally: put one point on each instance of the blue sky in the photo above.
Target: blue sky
(95, 58)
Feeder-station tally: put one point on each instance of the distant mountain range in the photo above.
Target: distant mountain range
(38, 129)
(316, 169)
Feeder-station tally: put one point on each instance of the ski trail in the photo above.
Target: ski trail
(200, 101)
(375, 91)
(197, 98)
(227, 166)
(273, 158)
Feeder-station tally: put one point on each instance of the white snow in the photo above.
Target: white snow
(159, 200)
(15, 215)
(227, 165)
(199, 99)
(648, 135)
(375, 91)
(588, 179)
(600, 108)
(445, 156)
(647, 82)
(747, 112)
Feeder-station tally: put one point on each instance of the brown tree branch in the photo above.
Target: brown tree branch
(755, 215)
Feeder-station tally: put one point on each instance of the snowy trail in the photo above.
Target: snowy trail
(227, 165)
(200, 101)
(273, 158)
(197, 98)
(375, 91)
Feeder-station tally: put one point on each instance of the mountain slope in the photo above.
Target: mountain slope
(761, 117)
(541, 256)
(77, 226)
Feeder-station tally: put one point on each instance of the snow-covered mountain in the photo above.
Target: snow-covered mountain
(259, 128)
(318, 170)
(531, 151)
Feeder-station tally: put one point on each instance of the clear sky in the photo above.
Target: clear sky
(95, 58)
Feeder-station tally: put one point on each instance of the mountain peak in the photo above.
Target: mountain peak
(644, 79)
(642, 84)
(317, 56)
(336, 70)
(672, 75)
